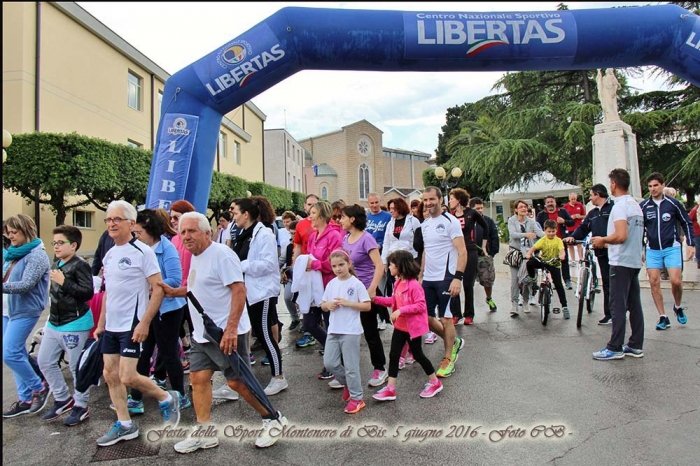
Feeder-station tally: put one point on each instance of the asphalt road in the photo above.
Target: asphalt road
(522, 394)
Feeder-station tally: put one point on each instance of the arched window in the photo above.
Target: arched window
(324, 193)
(364, 181)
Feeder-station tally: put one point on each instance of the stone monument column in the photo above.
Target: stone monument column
(614, 143)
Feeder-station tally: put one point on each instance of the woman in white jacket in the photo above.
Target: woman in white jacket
(399, 234)
(400, 229)
(256, 247)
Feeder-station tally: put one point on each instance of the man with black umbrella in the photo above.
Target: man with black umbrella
(215, 288)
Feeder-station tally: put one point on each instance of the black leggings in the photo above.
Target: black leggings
(312, 324)
(374, 341)
(398, 340)
(468, 282)
(263, 315)
(164, 333)
(533, 264)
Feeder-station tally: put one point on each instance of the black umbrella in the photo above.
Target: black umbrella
(214, 334)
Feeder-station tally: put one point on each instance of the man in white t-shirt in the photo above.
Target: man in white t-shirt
(442, 270)
(215, 286)
(625, 247)
(130, 271)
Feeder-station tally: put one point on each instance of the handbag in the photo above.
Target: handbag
(513, 258)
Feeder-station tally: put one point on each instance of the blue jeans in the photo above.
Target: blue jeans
(14, 354)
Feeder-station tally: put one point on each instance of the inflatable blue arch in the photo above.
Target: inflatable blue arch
(294, 39)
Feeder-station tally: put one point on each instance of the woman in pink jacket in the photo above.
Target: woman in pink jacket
(325, 239)
(410, 319)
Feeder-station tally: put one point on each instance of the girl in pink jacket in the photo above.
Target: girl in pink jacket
(410, 319)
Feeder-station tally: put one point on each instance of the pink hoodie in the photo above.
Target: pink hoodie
(409, 298)
(321, 246)
(185, 257)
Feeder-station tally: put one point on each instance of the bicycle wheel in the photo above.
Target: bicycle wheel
(582, 291)
(591, 294)
(546, 300)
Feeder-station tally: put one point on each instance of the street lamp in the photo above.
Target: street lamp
(448, 181)
(6, 141)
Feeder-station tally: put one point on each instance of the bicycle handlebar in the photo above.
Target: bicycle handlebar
(552, 261)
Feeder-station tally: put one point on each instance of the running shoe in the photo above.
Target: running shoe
(430, 338)
(680, 315)
(306, 340)
(607, 355)
(431, 389)
(635, 353)
(118, 433)
(378, 378)
(491, 304)
(664, 323)
(387, 393)
(456, 348)
(354, 406)
(446, 369)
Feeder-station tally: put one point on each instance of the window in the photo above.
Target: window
(324, 193)
(160, 102)
(134, 144)
(222, 145)
(364, 181)
(82, 219)
(134, 91)
(237, 152)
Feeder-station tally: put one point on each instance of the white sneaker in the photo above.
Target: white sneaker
(378, 378)
(335, 384)
(276, 385)
(381, 325)
(532, 301)
(271, 431)
(225, 393)
(195, 443)
(514, 310)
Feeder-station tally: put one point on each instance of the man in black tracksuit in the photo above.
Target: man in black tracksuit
(596, 222)
(486, 271)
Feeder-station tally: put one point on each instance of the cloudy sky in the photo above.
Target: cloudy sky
(408, 107)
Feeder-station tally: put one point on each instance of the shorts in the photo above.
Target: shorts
(120, 343)
(438, 294)
(208, 356)
(669, 257)
(485, 271)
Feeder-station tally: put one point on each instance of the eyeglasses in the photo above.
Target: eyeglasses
(59, 243)
(115, 220)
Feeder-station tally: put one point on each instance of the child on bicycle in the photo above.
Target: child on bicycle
(551, 248)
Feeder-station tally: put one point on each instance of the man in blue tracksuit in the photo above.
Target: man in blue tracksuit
(662, 215)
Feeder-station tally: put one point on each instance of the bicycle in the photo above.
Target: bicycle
(587, 286)
(546, 288)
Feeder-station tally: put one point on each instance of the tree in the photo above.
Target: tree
(542, 121)
(70, 170)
